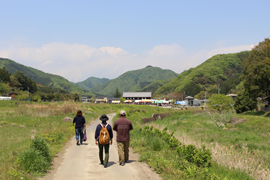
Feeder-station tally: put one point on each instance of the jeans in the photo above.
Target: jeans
(79, 131)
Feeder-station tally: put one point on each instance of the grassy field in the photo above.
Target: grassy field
(238, 151)
(20, 124)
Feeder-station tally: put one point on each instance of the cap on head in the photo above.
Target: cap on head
(122, 113)
(104, 118)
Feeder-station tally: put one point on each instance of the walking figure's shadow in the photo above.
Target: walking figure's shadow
(111, 163)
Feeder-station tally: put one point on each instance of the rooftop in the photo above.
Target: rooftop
(136, 94)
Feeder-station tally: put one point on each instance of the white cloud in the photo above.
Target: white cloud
(77, 62)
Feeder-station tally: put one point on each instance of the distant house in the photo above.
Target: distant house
(136, 95)
(85, 99)
(266, 106)
(13, 95)
(233, 96)
(101, 100)
(190, 100)
(112, 99)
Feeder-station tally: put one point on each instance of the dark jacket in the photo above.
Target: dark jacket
(99, 127)
(80, 121)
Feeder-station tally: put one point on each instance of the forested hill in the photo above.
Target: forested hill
(40, 77)
(223, 69)
(91, 82)
(134, 80)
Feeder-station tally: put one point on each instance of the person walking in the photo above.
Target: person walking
(104, 118)
(122, 126)
(80, 126)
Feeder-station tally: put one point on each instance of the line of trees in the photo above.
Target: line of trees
(255, 77)
(28, 88)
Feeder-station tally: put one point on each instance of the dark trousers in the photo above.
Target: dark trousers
(106, 148)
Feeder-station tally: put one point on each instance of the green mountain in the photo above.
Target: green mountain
(91, 82)
(134, 80)
(223, 69)
(154, 86)
(45, 79)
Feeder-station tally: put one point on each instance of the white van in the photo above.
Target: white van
(5, 98)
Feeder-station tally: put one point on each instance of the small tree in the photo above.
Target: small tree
(224, 107)
(245, 102)
(23, 95)
(117, 94)
(4, 88)
(122, 100)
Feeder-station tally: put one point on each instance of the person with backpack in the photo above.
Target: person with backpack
(80, 126)
(122, 126)
(103, 138)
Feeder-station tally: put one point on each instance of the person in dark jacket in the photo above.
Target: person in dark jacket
(80, 126)
(104, 119)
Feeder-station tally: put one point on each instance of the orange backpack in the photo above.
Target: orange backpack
(104, 137)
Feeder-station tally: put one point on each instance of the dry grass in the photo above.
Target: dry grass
(245, 161)
(46, 110)
(248, 162)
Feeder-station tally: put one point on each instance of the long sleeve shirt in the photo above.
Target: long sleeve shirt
(99, 127)
(80, 121)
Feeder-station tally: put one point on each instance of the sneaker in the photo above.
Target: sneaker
(105, 165)
(122, 164)
(77, 142)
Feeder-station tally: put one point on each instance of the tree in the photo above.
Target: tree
(14, 82)
(23, 95)
(256, 73)
(122, 100)
(220, 102)
(245, 102)
(223, 105)
(117, 94)
(36, 97)
(4, 75)
(26, 83)
(4, 88)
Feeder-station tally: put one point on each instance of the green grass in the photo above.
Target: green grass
(19, 124)
(154, 151)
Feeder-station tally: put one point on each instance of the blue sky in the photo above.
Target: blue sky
(79, 39)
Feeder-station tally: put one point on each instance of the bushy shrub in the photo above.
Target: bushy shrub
(32, 160)
(41, 145)
(201, 157)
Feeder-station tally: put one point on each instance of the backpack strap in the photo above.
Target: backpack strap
(103, 125)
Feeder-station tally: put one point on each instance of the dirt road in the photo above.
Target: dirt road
(82, 162)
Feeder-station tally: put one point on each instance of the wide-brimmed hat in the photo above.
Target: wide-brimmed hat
(104, 118)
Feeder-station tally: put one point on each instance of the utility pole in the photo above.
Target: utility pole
(28, 93)
(205, 97)
(218, 89)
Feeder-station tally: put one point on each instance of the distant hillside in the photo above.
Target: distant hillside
(223, 69)
(91, 82)
(134, 80)
(45, 79)
(154, 86)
